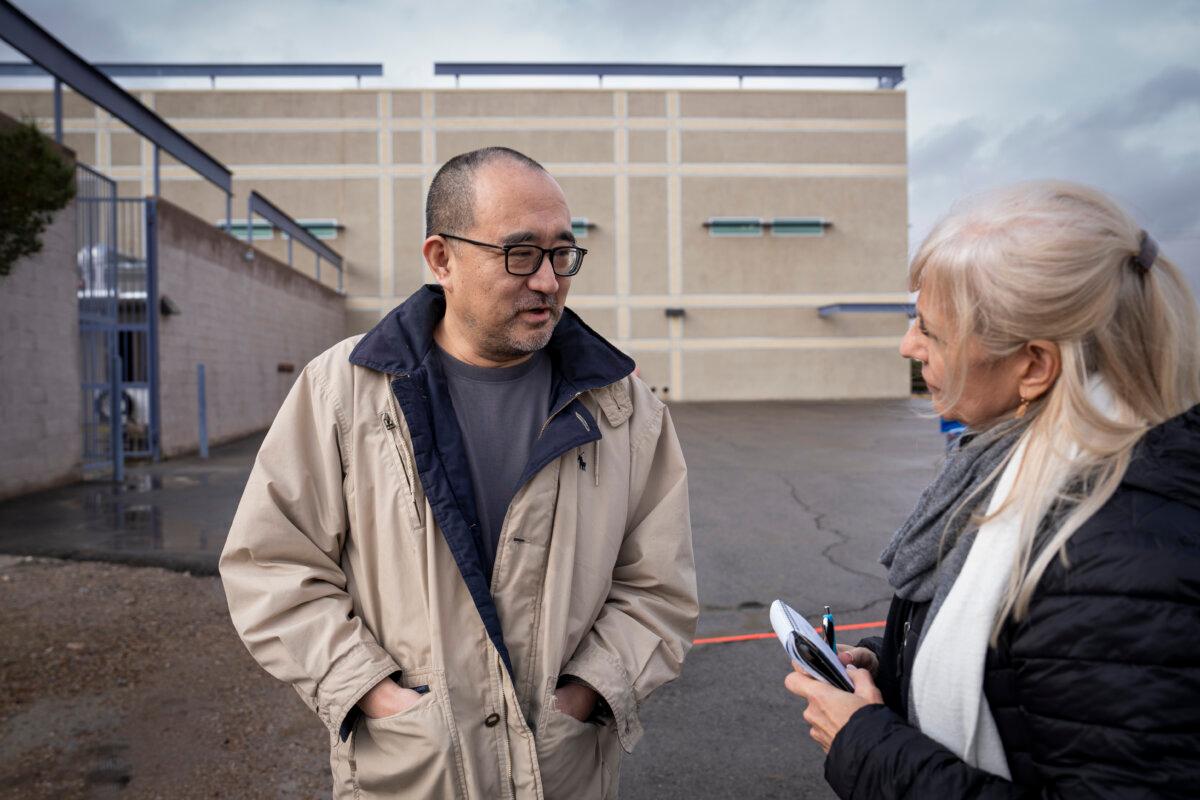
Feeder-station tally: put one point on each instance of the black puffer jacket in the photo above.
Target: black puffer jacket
(1096, 693)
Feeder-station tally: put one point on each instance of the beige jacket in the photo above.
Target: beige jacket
(338, 575)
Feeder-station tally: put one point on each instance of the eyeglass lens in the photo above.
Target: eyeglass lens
(526, 260)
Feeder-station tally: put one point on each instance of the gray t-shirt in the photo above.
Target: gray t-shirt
(500, 411)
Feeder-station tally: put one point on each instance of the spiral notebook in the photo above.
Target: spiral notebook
(806, 647)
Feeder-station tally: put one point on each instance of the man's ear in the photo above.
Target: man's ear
(1043, 365)
(437, 255)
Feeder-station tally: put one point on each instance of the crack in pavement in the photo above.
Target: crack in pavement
(819, 522)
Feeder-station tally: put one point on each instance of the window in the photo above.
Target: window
(755, 226)
(799, 226)
(322, 228)
(734, 226)
(262, 230)
(580, 227)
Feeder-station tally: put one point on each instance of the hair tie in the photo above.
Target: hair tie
(1147, 254)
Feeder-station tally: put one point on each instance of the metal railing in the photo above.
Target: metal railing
(257, 204)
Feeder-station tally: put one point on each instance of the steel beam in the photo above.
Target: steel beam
(211, 70)
(55, 58)
(58, 112)
(888, 76)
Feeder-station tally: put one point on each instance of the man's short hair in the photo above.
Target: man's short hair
(450, 205)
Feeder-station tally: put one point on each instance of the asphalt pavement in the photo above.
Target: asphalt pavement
(789, 500)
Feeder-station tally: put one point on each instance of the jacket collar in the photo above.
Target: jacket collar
(401, 342)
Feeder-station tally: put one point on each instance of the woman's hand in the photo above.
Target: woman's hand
(829, 708)
(860, 657)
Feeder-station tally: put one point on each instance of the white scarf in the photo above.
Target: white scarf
(947, 678)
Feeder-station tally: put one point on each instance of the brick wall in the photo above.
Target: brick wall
(253, 324)
(40, 413)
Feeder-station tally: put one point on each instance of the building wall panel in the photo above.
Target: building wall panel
(794, 147)
(258, 104)
(538, 103)
(287, 147)
(406, 104)
(796, 374)
(648, 147)
(647, 104)
(775, 104)
(406, 147)
(648, 235)
(546, 146)
(408, 234)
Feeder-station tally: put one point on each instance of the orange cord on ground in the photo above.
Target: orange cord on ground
(749, 637)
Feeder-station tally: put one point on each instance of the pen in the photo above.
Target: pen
(827, 629)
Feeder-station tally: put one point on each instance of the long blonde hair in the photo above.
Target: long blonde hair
(1056, 261)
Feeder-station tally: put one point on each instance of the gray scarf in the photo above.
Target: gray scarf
(912, 557)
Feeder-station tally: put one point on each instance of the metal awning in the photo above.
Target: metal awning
(868, 308)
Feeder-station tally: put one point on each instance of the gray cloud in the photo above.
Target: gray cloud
(1110, 146)
(1102, 91)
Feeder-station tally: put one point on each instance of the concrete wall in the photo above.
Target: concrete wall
(646, 167)
(40, 400)
(253, 324)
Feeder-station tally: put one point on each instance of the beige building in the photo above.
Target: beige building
(717, 222)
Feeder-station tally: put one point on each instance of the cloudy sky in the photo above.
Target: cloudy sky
(1102, 91)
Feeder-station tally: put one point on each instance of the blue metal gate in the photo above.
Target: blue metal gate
(118, 323)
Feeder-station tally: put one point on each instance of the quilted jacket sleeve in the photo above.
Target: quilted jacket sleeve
(1098, 695)
(878, 755)
(646, 627)
(281, 563)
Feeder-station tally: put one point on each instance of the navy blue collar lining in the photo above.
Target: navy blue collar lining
(401, 342)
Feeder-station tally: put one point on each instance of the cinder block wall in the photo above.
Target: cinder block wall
(253, 324)
(40, 400)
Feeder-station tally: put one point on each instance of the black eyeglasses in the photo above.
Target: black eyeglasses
(526, 259)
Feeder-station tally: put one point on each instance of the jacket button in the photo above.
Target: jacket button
(492, 720)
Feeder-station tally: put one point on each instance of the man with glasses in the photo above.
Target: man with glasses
(466, 540)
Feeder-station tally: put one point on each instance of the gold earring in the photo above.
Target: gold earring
(1021, 409)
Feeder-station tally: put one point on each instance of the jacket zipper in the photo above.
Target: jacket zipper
(410, 475)
(508, 768)
(391, 426)
(903, 650)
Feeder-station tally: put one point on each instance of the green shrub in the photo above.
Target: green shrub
(35, 182)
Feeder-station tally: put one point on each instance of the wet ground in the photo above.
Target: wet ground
(173, 514)
(789, 500)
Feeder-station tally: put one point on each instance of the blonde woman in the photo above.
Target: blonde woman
(1043, 638)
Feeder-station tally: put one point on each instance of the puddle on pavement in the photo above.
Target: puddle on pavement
(126, 525)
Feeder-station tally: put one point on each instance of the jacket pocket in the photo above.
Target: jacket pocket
(410, 754)
(572, 758)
